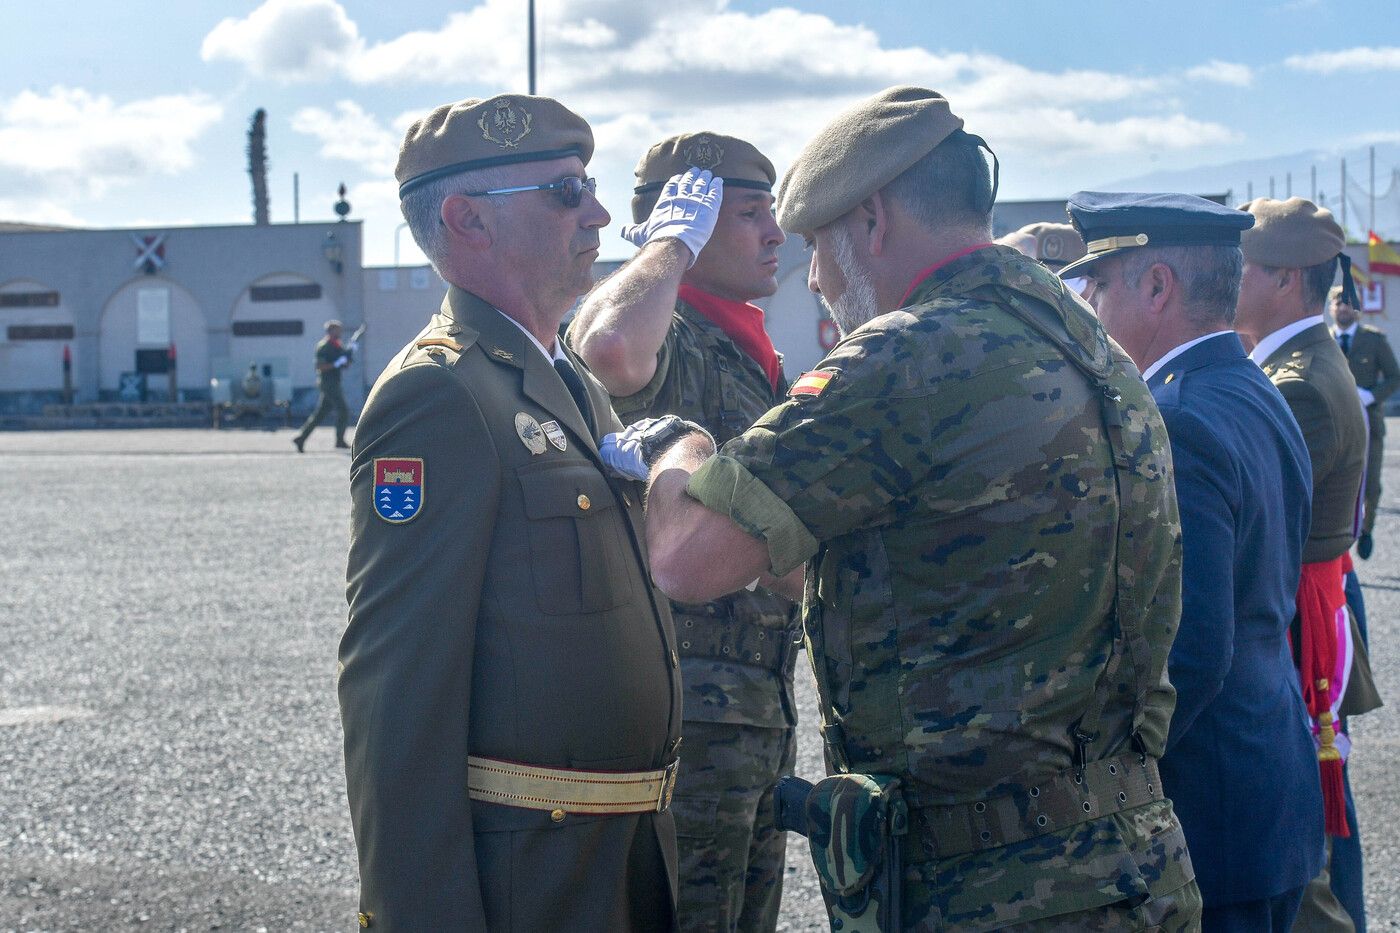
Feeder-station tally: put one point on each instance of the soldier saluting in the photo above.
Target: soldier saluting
(673, 333)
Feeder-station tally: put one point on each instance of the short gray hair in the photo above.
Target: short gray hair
(1209, 277)
(949, 187)
(422, 208)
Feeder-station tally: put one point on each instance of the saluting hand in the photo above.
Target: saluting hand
(687, 210)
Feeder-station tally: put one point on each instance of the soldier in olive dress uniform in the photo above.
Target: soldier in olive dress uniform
(509, 683)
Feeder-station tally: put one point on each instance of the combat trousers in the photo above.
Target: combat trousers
(1375, 463)
(731, 855)
(1177, 912)
(332, 399)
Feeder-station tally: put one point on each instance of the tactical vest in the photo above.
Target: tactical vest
(1106, 737)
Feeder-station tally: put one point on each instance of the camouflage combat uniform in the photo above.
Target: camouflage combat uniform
(952, 488)
(737, 659)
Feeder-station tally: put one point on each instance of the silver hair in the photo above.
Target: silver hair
(857, 303)
(422, 208)
(951, 186)
(1209, 277)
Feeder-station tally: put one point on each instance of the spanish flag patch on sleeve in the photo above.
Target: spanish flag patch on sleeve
(810, 383)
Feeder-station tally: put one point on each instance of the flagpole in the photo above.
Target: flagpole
(1344, 196)
(1372, 224)
(532, 47)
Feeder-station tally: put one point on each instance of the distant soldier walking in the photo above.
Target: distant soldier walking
(331, 358)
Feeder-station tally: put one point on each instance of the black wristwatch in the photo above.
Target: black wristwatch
(667, 430)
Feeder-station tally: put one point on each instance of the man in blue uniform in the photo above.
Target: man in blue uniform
(1164, 276)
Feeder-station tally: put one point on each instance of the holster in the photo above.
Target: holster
(853, 824)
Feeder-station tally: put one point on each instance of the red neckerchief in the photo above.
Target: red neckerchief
(743, 323)
(333, 342)
(919, 279)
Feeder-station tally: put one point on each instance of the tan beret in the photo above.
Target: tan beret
(1056, 244)
(861, 151)
(502, 130)
(1292, 234)
(737, 162)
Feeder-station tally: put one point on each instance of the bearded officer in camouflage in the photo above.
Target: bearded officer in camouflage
(509, 683)
(672, 332)
(979, 486)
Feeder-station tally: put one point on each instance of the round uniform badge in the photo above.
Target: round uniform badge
(531, 434)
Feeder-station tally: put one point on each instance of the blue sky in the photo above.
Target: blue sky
(136, 113)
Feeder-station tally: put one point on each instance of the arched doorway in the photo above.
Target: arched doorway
(139, 323)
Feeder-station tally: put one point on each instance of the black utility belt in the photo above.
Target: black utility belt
(1101, 789)
(729, 637)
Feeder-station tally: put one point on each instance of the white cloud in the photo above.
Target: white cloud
(79, 143)
(643, 71)
(1361, 58)
(350, 134)
(289, 40)
(1220, 72)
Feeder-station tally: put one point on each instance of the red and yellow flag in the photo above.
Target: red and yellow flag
(1384, 260)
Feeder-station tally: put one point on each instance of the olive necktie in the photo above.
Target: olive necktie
(575, 386)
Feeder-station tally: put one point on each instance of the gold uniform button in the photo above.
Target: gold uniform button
(584, 503)
(366, 919)
(556, 815)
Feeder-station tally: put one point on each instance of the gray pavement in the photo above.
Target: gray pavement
(170, 603)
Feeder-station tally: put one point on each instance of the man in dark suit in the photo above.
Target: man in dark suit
(509, 682)
(1239, 764)
(1373, 366)
(1291, 257)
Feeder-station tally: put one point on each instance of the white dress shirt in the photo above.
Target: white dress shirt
(1265, 348)
(1172, 354)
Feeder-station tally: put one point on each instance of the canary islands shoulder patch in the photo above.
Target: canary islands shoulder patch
(398, 488)
(813, 383)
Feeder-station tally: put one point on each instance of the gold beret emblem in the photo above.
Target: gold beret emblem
(1052, 247)
(703, 152)
(501, 124)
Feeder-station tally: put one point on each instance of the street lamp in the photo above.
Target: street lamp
(332, 249)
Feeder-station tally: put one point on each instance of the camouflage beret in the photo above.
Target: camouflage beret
(737, 162)
(1292, 234)
(1056, 244)
(503, 130)
(861, 151)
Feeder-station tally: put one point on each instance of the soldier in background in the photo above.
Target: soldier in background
(1239, 765)
(1373, 366)
(331, 360)
(1291, 255)
(978, 485)
(672, 332)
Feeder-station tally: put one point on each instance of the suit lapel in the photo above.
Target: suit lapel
(506, 345)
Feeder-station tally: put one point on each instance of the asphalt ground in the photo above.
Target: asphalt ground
(170, 604)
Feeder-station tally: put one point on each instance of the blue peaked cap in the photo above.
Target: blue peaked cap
(1111, 222)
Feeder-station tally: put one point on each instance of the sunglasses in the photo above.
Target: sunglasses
(570, 188)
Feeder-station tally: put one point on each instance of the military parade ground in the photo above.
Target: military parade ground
(170, 746)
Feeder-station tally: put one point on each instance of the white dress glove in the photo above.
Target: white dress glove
(341, 362)
(1367, 399)
(622, 451)
(687, 210)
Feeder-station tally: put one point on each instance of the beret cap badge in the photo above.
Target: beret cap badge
(703, 152)
(500, 124)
